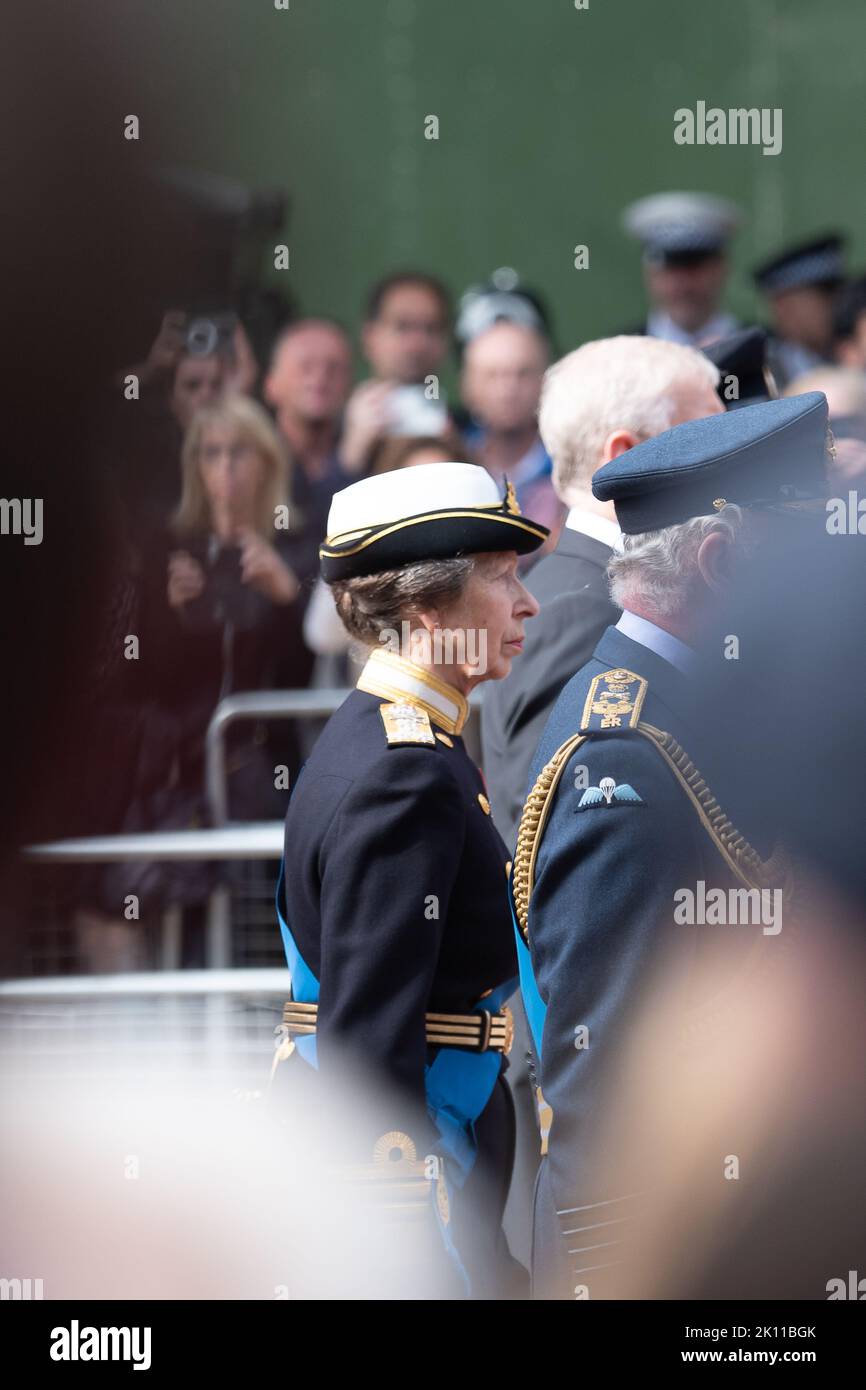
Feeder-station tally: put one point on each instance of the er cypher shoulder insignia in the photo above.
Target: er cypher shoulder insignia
(406, 723)
(614, 701)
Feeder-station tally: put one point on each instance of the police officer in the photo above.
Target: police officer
(685, 238)
(393, 900)
(800, 285)
(633, 801)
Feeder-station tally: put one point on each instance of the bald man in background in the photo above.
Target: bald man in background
(307, 385)
(503, 368)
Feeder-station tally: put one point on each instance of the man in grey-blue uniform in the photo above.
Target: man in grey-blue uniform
(685, 240)
(632, 797)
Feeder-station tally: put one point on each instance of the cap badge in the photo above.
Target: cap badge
(512, 506)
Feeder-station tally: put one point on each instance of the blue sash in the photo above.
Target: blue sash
(534, 1005)
(305, 986)
(458, 1084)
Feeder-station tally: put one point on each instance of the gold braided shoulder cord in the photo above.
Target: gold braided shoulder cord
(532, 822)
(739, 855)
(743, 861)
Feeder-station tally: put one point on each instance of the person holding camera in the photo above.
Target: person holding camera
(192, 362)
(237, 576)
(234, 487)
(223, 614)
(405, 339)
(187, 344)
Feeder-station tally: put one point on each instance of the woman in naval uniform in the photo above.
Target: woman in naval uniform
(393, 896)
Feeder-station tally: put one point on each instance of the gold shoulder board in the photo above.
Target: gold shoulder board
(406, 723)
(613, 697)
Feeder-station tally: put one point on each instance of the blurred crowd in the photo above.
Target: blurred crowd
(224, 461)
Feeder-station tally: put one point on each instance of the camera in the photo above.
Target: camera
(225, 598)
(209, 334)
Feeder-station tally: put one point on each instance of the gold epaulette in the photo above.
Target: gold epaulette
(406, 723)
(742, 860)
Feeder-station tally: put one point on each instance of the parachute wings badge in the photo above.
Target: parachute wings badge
(609, 793)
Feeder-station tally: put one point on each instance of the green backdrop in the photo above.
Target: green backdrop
(551, 120)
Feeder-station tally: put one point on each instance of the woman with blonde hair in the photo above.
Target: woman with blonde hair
(224, 614)
(235, 493)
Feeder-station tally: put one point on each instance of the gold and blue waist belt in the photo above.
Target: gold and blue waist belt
(481, 1031)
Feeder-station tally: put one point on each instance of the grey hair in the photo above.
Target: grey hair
(659, 566)
(624, 383)
(373, 603)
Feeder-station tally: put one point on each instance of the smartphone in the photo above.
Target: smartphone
(410, 412)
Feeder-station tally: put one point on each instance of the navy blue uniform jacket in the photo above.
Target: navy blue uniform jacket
(396, 894)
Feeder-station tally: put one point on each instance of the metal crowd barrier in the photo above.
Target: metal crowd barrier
(258, 704)
(254, 840)
(284, 704)
(217, 1023)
